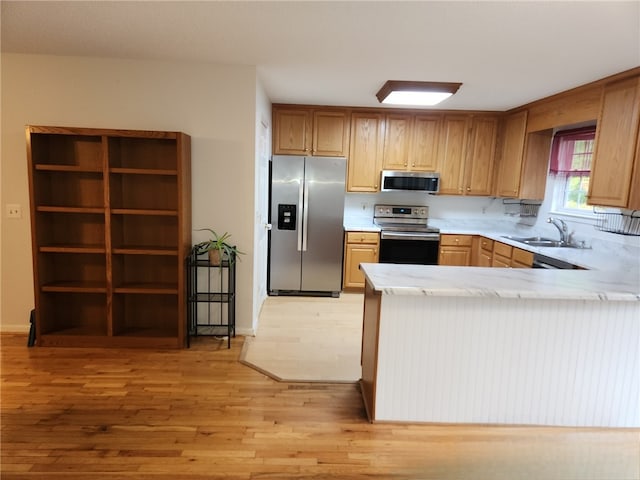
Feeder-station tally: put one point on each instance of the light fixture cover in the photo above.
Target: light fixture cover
(398, 92)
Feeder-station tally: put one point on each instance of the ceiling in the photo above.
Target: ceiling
(340, 53)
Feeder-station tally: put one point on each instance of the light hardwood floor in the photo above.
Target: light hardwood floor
(105, 414)
(308, 339)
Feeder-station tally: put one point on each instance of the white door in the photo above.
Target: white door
(261, 219)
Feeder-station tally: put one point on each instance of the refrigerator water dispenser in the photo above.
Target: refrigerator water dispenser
(286, 217)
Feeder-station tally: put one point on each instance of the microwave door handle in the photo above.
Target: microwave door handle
(299, 214)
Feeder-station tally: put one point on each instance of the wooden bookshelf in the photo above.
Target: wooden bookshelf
(111, 223)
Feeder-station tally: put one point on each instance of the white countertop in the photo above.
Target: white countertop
(431, 280)
(359, 224)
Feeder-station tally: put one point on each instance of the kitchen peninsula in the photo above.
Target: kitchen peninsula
(501, 346)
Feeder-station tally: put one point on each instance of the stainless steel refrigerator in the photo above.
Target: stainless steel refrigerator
(306, 216)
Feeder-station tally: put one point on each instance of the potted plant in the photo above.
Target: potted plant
(218, 247)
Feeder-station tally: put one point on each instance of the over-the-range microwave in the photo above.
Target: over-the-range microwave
(396, 180)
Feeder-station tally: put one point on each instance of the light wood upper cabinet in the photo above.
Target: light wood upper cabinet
(453, 150)
(425, 142)
(482, 151)
(397, 140)
(615, 172)
(535, 165)
(523, 159)
(291, 131)
(309, 131)
(467, 152)
(513, 134)
(365, 152)
(330, 133)
(411, 142)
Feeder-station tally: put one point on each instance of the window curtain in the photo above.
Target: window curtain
(562, 149)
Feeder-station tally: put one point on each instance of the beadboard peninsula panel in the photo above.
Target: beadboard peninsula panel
(508, 361)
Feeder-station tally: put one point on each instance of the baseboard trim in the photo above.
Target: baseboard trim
(15, 328)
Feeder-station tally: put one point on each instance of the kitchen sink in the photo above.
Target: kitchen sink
(542, 242)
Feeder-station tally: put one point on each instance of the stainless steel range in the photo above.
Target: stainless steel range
(405, 236)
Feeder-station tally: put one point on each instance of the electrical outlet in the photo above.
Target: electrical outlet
(14, 210)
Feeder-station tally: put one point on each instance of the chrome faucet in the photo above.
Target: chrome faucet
(565, 236)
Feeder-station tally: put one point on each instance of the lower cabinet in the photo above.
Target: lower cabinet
(485, 253)
(455, 250)
(360, 247)
(506, 256)
(491, 253)
(501, 255)
(521, 258)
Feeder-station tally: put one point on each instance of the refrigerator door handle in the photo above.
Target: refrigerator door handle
(305, 222)
(300, 200)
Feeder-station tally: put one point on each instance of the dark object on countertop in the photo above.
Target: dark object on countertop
(32, 329)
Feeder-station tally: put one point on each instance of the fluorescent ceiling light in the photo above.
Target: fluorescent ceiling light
(397, 92)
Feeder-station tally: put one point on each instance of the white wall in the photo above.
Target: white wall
(2, 209)
(214, 104)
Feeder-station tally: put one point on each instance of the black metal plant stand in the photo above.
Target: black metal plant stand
(211, 296)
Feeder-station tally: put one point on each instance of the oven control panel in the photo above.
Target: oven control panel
(400, 211)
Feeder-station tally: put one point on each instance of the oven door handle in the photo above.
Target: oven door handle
(426, 237)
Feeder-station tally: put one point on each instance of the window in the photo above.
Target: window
(571, 164)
